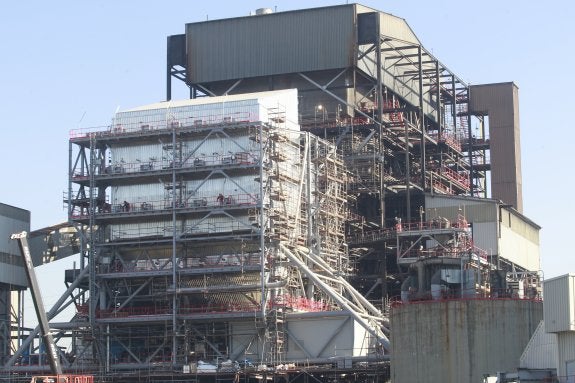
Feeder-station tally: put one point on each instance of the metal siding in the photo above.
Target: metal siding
(12, 220)
(559, 303)
(16, 213)
(566, 352)
(245, 341)
(519, 249)
(476, 212)
(313, 333)
(218, 148)
(485, 237)
(541, 352)
(297, 41)
(396, 27)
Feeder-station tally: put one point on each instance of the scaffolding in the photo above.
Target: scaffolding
(203, 224)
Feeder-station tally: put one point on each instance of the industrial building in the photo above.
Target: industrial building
(331, 203)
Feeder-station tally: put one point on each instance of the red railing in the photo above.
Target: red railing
(182, 310)
(144, 127)
(298, 303)
(195, 202)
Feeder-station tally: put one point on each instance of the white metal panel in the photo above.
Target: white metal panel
(566, 352)
(518, 249)
(321, 337)
(136, 195)
(363, 342)
(559, 304)
(485, 237)
(286, 104)
(541, 351)
(233, 108)
(169, 115)
(396, 27)
(140, 230)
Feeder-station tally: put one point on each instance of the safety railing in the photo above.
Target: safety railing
(197, 202)
(297, 303)
(182, 310)
(459, 178)
(208, 261)
(400, 227)
(229, 159)
(144, 127)
(236, 225)
(447, 138)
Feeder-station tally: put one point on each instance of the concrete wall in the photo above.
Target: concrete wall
(459, 341)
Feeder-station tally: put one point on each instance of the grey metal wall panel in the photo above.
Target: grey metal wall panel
(296, 41)
(449, 207)
(12, 220)
(14, 212)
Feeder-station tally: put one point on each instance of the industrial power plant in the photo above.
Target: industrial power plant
(330, 204)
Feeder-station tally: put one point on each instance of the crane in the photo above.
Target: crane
(52, 350)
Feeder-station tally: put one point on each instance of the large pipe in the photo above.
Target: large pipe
(375, 331)
(35, 292)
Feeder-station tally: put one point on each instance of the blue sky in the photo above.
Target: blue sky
(70, 64)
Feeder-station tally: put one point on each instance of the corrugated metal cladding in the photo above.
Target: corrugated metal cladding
(541, 352)
(12, 220)
(449, 207)
(391, 25)
(520, 226)
(286, 42)
(559, 303)
(519, 249)
(485, 237)
(566, 354)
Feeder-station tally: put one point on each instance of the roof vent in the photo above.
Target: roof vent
(263, 11)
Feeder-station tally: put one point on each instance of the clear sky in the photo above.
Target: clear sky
(71, 64)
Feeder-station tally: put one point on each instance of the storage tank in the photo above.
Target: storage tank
(460, 340)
